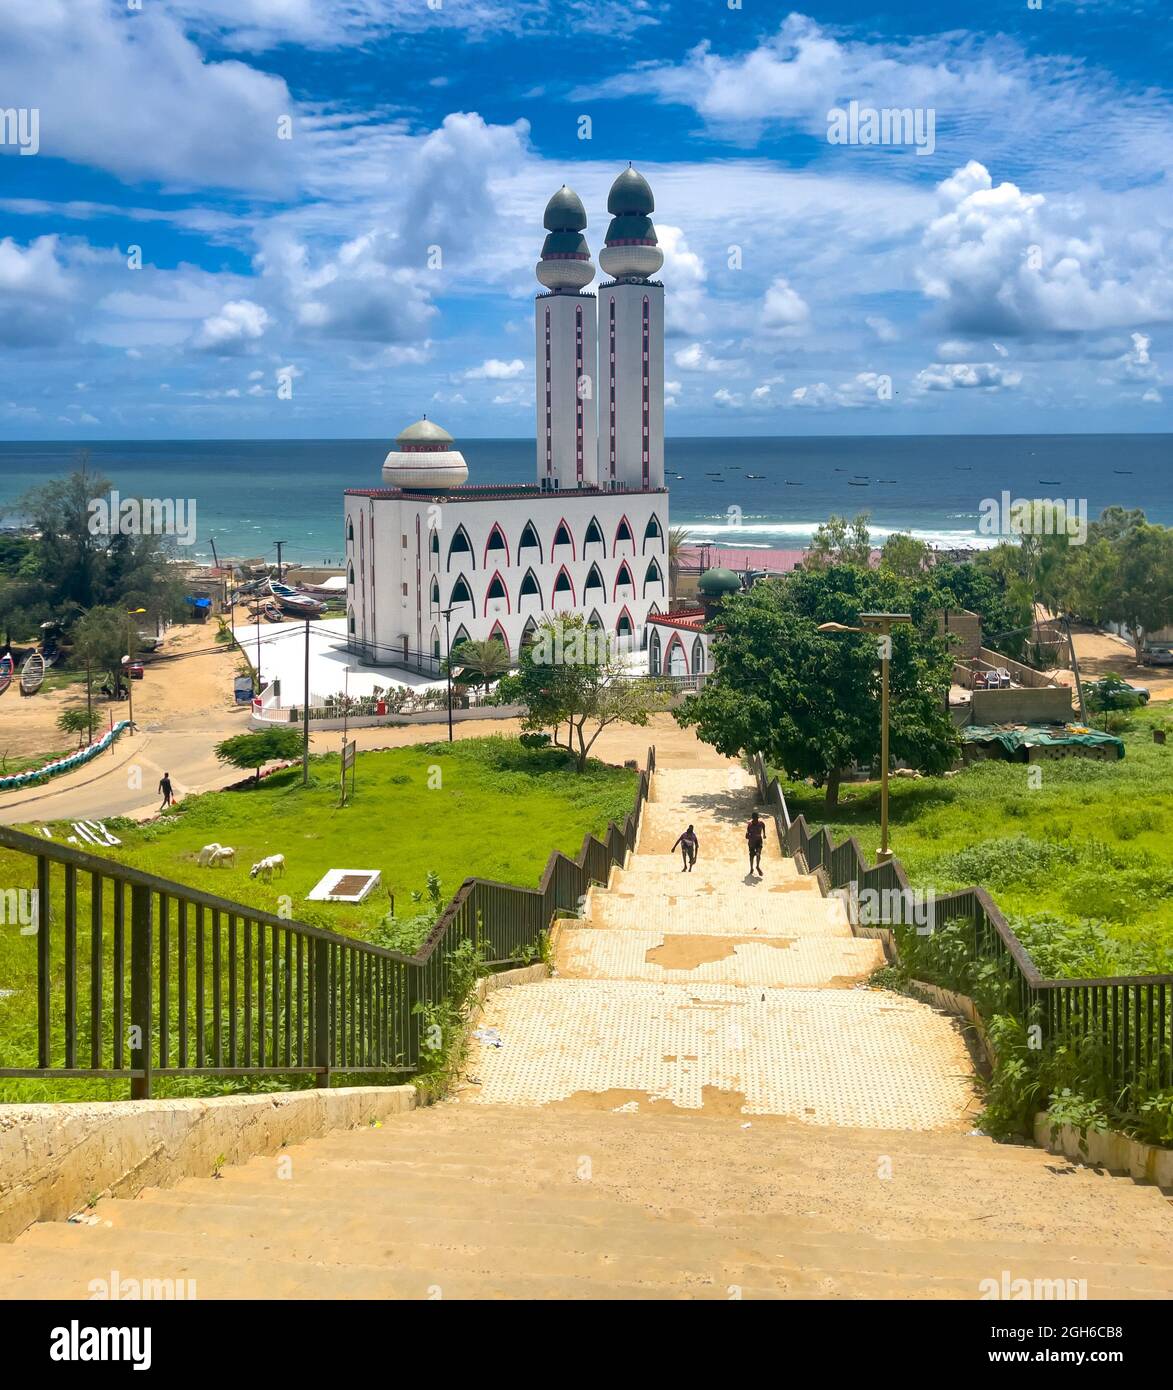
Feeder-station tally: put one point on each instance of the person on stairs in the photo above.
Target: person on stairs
(755, 836)
(689, 845)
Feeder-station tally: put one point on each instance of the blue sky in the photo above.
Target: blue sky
(1017, 277)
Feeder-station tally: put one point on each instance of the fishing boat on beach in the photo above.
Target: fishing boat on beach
(6, 669)
(294, 602)
(32, 673)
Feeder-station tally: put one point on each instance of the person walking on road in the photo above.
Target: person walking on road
(689, 845)
(165, 788)
(755, 837)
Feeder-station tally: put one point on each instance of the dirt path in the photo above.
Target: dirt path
(1100, 652)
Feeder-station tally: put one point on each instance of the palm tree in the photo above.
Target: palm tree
(677, 539)
(480, 663)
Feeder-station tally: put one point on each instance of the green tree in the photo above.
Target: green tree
(572, 676)
(80, 720)
(809, 702)
(1141, 596)
(905, 555)
(100, 637)
(840, 542)
(479, 663)
(257, 749)
(1109, 694)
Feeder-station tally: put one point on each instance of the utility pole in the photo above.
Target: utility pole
(1075, 669)
(280, 571)
(305, 714)
(130, 613)
(446, 614)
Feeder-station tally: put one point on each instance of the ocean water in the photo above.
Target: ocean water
(250, 494)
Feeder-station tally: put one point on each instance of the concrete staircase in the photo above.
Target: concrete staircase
(719, 989)
(463, 1201)
(704, 1103)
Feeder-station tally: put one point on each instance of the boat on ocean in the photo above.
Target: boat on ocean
(32, 673)
(6, 669)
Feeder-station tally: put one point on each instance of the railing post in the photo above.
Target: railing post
(322, 1011)
(141, 953)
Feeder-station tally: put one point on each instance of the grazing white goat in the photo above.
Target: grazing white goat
(265, 868)
(214, 854)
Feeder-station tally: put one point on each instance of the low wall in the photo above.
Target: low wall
(56, 1158)
(1024, 675)
(390, 721)
(1102, 1148)
(1051, 705)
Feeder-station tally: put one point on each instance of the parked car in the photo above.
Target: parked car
(1140, 691)
(136, 670)
(1157, 656)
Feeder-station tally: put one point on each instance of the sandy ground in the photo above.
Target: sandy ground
(1100, 652)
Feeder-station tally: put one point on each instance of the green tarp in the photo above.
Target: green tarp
(1045, 736)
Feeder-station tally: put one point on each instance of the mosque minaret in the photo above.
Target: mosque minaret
(434, 559)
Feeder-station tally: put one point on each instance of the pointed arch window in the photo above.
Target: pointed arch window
(698, 657)
(563, 585)
(496, 592)
(350, 573)
(595, 621)
(434, 596)
(529, 537)
(459, 637)
(594, 536)
(436, 643)
(496, 546)
(350, 530)
(434, 545)
(563, 536)
(623, 580)
(623, 536)
(530, 588)
(461, 593)
(350, 620)
(654, 533)
(497, 634)
(653, 576)
(529, 633)
(460, 545)
(624, 627)
(655, 653)
(594, 580)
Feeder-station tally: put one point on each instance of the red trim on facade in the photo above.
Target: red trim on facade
(630, 619)
(555, 542)
(630, 532)
(619, 580)
(498, 632)
(554, 592)
(488, 600)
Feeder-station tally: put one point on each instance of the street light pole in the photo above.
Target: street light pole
(446, 614)
(130, 613)
(881, 623)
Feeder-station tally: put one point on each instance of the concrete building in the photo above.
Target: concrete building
(433, 558)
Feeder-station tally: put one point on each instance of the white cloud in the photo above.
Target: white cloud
(984, 376)
(728, 399)
(884, 329)
(998, 259)
(697, 358)
(493, 369)
(784, 310)
(1152, 396)
(864, 389)
(237, 324)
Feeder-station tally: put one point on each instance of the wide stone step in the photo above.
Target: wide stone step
(711, 914)
(686, 953)
(846, 1057)
(284, 1237)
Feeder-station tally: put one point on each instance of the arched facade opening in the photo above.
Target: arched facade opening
(461, 546)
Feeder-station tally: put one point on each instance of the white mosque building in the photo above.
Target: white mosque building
(434, 560)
